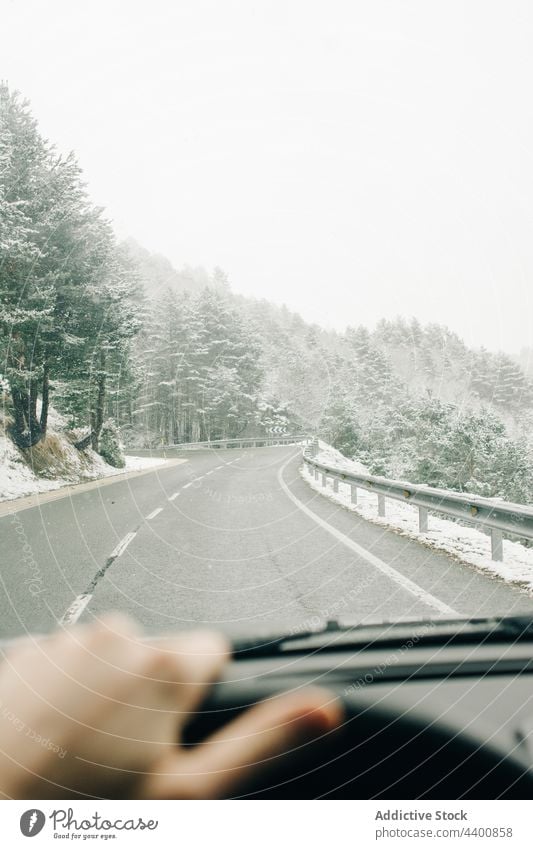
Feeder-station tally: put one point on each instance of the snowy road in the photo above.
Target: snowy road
(231, 539)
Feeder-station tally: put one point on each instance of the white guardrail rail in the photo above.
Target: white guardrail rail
(237, 442)
(496, 516)
(243, 442)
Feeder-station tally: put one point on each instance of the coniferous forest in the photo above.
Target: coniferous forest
(117, 340)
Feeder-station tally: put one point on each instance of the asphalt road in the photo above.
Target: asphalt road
(234, 539)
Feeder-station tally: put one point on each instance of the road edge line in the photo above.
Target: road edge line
(402, 581)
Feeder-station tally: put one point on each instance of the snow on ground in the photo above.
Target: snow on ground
(467, 544)
(133, 464)
(17, 479)
(329, 456)
(136, 464)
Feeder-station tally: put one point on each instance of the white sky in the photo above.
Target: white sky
(351, 159)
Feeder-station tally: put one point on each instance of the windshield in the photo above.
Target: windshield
(265, 334)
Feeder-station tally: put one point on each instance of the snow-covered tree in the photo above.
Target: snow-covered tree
(65, 289)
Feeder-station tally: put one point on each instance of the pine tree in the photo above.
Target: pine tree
(63, 285)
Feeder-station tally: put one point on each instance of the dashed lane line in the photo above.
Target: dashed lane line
(154, 513)
(399, 579)
(196, 480)
(74, 611)
(122, 545)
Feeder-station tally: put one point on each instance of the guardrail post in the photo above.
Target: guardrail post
(496, 544)
(513, 519)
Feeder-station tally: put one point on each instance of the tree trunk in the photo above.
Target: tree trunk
(32, 405)
(45, 400)
(84, 443)
(26, 430)
(97, 417)
(18, 413)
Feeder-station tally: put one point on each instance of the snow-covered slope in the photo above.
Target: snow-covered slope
(53, 463)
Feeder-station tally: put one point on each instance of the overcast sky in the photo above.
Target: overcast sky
(351, 159)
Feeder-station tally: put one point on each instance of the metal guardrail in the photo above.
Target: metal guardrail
(242, 442)
(237, 442)
(497, 516)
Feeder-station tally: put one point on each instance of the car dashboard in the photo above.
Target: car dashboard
(424, 722)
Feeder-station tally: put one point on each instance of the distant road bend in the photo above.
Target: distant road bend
(229, 538)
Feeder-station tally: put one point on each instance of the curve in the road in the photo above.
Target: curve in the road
(285, 558)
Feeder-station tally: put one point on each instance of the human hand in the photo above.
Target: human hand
(95, 710)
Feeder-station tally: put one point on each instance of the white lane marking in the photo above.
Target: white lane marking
(218, 467)
(76, 609)
(187, 485)
(154, 513)
(210, 472)
(172, 497)
(397, 577)
(73, 613)
(123, 544)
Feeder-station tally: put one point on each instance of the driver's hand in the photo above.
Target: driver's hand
(95, 710)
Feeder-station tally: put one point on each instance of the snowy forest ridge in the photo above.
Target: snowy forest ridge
(117, 340)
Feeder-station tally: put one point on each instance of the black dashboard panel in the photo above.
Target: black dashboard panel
(446, 723)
